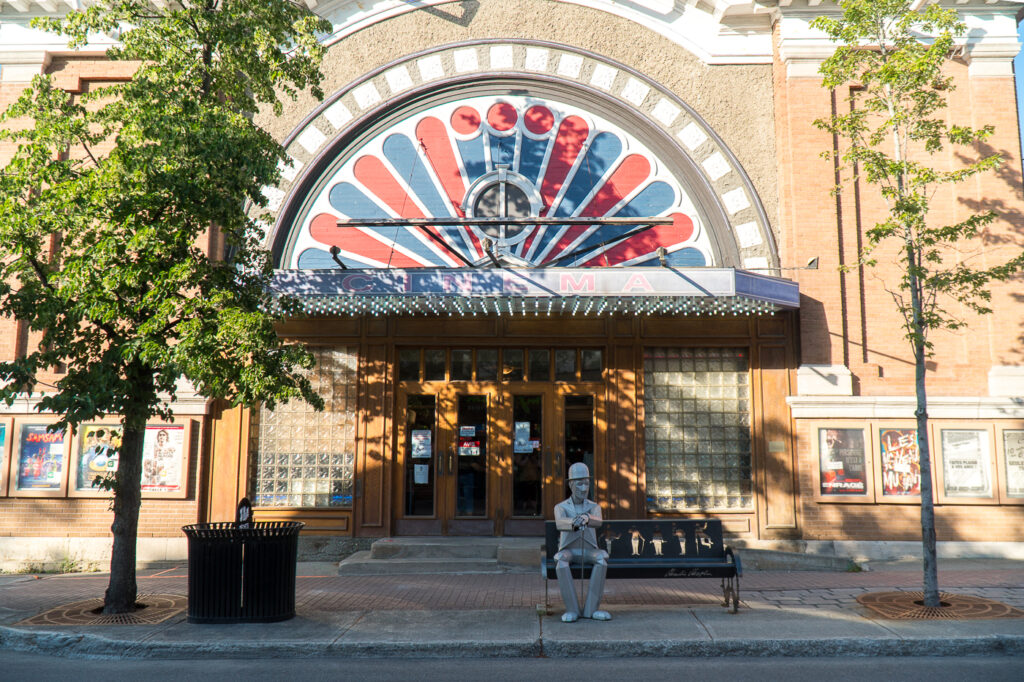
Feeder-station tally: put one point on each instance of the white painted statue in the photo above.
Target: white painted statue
(576, 518)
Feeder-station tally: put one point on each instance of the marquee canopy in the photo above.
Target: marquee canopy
(537, 291)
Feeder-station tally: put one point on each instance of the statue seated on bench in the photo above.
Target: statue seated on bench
(576, 518)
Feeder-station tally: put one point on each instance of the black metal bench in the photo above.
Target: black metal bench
(658, 549)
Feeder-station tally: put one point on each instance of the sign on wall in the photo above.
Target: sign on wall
(98, 445)
(966, 463)
(41, 460)
(842, 461)
(1013, 456)
(901, 470)
(164, 460)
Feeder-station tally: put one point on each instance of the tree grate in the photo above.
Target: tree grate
(155, 608)
(909, 606)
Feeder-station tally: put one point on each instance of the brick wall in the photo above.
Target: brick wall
(850, 318)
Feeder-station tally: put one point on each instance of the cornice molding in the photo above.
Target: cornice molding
(902, 407)
(990, 44)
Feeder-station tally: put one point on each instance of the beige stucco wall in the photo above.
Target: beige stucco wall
(736, 101)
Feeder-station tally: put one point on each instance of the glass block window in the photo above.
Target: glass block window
(303, 458)
(697, 429)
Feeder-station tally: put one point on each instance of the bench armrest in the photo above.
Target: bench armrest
(735, 558)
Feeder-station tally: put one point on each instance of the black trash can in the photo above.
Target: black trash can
(242, 575)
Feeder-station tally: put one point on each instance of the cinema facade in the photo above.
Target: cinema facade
(536, 233)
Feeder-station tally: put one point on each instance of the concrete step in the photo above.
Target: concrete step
(506, 550)
(424, 555)
(362, 563)
(774, 560)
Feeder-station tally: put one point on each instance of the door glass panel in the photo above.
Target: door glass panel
(540, 365)
(420, 418)
(462, 365)
(433, 364)
(487, 364)
(513, 368)
(409, 365)
(590, 364)
(579, 433)
(565, 364)
(527, 416)
(471, 451)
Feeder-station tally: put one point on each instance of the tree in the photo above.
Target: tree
(891, 134)
(105, 209)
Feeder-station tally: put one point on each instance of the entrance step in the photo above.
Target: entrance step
(391, 556)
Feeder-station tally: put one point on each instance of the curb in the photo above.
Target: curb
(81, 645)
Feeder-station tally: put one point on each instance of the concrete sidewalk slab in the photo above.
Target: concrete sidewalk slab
(793, 623)
(626, 624)
(442, 633)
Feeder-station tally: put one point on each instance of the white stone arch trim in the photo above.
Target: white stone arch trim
(714, 31)
(349, 108)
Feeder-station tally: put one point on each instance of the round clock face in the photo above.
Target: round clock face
(494, 156)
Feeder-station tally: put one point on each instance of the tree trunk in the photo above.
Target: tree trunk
(931, 572)
(123, 589)
(929, 557)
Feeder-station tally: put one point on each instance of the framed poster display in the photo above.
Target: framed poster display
(899, 469)
(165, 456)
(95, 457)
(5, 453)
(964, 466)
(843, 463)
(39, 467)
(1010, 451)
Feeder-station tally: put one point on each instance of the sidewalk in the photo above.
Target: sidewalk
(479, 615)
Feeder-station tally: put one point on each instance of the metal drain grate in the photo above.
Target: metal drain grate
(157, 609)
(907, 606)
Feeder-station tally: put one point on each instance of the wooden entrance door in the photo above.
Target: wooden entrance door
(579, 427)
(450, 460)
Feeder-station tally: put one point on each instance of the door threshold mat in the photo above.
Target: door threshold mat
(156, 609)
(909, 606)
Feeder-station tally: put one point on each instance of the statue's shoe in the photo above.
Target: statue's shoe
(570, 617)
(601, 615)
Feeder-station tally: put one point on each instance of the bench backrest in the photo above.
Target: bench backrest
(654, 539)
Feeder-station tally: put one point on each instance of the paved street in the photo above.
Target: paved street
(41, 668)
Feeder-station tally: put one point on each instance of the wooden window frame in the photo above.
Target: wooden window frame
(5, 454)
(876, 440)
(77, 446)
(940, 462)
(15, 459)
(1002, 488)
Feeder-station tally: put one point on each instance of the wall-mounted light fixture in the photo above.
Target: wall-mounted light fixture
(334, 254)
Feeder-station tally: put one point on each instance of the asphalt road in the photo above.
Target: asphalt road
(42, 668)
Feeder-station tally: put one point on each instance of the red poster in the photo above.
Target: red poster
(901, 468)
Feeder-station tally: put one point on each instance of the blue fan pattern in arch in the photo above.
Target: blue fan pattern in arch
(575, 163)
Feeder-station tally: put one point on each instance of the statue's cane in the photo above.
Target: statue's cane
(582, 551)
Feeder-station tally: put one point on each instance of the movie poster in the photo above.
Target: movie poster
(421, 448)
(98, 446)
(842, 462)
(966, 470)
(1013, 451)
(901, 468)
(162, 456)
(41, 459)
